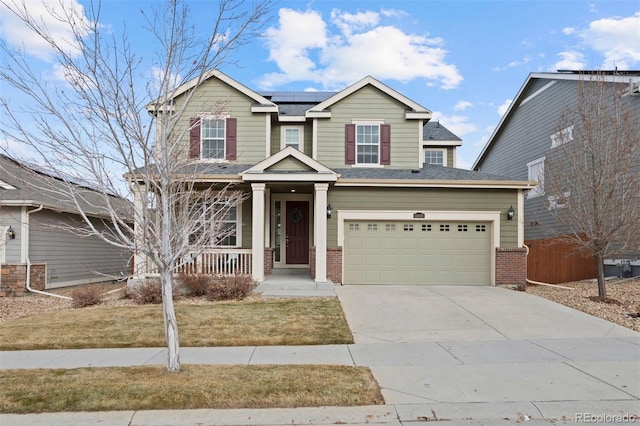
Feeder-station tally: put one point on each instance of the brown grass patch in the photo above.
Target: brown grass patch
(195, 386)
(247, 323)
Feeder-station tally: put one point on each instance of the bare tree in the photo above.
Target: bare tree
(106, 119)
(593, 174)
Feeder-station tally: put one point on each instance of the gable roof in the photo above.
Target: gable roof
(213, 73)
(632, 78)
(416, 111)
(434, 132)
(313, 170)
(29, 186)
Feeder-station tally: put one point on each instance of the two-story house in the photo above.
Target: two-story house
(519, 146)
(356, 186)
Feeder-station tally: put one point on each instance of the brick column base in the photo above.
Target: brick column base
(312, 262)
(14, 279)
(511, 266)
(334, 264)
(268, 260)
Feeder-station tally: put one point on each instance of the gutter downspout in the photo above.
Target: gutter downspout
(28, 280)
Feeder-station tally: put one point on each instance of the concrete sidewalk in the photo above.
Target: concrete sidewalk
(469, 355)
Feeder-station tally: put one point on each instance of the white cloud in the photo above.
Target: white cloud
(571, 60)
(462, 105)
(458, 124)
(502, 109)
(50, 15)
(568, 31)
(616, 39)
(304, 48)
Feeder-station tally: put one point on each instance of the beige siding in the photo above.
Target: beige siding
(369, 103)
(426, 200)
(216, 98)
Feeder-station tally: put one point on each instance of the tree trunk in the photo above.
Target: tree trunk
(170, 322)
(602, 289)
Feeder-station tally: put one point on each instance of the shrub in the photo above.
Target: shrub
(86, 296)
(230, 287)
(149, 292)
(195, 284)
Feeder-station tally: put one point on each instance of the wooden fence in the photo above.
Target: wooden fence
(553, 261)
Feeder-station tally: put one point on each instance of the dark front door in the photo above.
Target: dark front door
(297, 232)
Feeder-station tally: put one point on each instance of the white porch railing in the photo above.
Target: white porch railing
(218, 262)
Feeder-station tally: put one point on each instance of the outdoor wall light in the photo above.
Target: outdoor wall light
(510, 213)
(329, 211)
(11, 234)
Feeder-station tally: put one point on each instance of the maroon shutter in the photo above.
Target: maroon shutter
(232, 126)
(385, 144)
(194, 138)
(350, 144)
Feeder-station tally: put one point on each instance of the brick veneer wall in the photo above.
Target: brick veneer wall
(14, 279)
(334, 264)
(511, 266)
(268, 261)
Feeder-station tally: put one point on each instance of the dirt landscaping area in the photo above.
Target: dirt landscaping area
(624, 300)
(622, 306)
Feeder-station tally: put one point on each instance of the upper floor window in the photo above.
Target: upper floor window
(562, 137)
(292, 136)
(536, 173)
(212, 138)
(368, 143)
(437, 157)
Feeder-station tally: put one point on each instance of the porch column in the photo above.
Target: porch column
(320, 231)
(140, 261)
(257, 232)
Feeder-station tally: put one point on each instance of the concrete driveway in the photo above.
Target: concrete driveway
(467, 345)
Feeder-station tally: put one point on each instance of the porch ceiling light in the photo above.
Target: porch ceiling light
(510, 213)
(329, 211)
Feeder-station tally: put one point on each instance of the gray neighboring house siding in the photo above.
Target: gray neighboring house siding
(524, 135)
(69, 259)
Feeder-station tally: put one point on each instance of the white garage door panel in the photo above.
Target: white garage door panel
(417, 253)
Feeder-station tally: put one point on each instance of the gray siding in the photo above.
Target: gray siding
(426, 199)
(70, 258)
(10, 216)
(526, 137)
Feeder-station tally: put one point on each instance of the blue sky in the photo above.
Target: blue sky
(463, 60)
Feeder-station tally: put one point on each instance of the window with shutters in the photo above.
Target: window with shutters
(212, 137)
(368, 143)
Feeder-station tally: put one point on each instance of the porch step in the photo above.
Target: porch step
(272, 287)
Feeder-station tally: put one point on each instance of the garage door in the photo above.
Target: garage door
(431, 253)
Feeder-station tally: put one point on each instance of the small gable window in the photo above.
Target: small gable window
(436, 157)
(535, 172)
(292, 136)
(213, 139)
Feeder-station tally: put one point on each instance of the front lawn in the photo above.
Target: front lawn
(244, 323)
(195, 386)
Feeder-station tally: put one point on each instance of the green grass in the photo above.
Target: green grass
(195, 386)
(244, 323)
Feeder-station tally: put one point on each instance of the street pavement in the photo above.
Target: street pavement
(459, 355)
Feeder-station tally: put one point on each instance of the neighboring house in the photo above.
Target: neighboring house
(32, 238)
(517, 148)
(355, 186)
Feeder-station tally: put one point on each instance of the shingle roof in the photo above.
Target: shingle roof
(434, 131)
(35, 187)
(428, 172)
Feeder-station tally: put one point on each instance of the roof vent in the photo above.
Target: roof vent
(415, 171)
